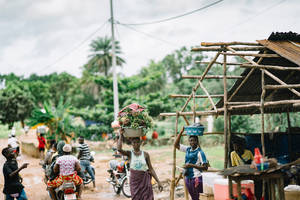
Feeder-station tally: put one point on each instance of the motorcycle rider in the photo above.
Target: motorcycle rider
(85, 157)
(68, 166)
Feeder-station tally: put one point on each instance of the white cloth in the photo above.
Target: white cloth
(66, 164)
(13, 142)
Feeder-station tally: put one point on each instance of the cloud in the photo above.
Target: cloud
(35, 34)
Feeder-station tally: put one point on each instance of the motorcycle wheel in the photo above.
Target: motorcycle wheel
(117, 189)
(126, 187)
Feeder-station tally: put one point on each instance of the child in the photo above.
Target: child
(13, 187)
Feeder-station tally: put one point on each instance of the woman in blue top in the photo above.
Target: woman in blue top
(195, 163)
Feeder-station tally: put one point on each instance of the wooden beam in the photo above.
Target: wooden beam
(203, 75)
(196, 96)
(210, 77)
(248, 75)
(272, 103)
(269, 67)
(210, 99)
(218, 63)
(252, 54)
(282, 86)
(206, 44)
(254, 48)
(198, 113)
(281, 82)
(242, 103)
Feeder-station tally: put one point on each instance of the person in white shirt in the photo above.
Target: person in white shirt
(14, 143)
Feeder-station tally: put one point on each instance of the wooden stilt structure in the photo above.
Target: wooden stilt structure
(230, 102)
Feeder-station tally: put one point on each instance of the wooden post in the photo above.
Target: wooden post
(262, 99)
(194, 105)
(225, 114)
(289, 136)
(281, 189)
(239, 190)
(229, 141)
(172, 187)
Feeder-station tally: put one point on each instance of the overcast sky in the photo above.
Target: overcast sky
(45, 36)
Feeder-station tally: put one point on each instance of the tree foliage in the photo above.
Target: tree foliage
(16, 104)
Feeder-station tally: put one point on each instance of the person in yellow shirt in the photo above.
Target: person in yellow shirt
(240, 155)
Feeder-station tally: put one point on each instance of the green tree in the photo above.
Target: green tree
(16, 104)
(101, 60)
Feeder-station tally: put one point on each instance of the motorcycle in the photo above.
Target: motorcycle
(119, 176)
(67, 191)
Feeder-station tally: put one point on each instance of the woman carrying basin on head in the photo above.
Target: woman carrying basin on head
(141, 170)
(195, 163)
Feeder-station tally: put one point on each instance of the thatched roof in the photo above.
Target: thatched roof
(289, 51)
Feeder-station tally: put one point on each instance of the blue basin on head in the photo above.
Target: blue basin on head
(194, 130)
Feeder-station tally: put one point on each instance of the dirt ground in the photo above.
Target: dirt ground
(36, 189)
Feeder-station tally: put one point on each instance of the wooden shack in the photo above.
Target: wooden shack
(269, 84)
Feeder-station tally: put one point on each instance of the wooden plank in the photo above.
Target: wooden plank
(252, 54)
(210, 77)
(229, 43)
(286, 49)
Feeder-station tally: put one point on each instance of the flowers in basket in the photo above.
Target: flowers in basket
(135, 116)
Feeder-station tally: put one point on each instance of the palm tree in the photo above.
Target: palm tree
(101, 60)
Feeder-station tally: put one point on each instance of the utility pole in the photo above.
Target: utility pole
(115, 81)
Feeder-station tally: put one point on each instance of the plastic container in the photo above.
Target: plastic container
(130, 132)
(208, 179)
(264, 167)
(221, 191)
(257, 156)
(292, 192)
(194, 130)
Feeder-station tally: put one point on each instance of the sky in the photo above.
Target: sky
(46, 36)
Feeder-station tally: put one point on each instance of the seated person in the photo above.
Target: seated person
(240, 155)
(67, 166)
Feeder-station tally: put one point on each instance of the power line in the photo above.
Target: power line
(175, 17)
(147, 34)
(76, 47)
